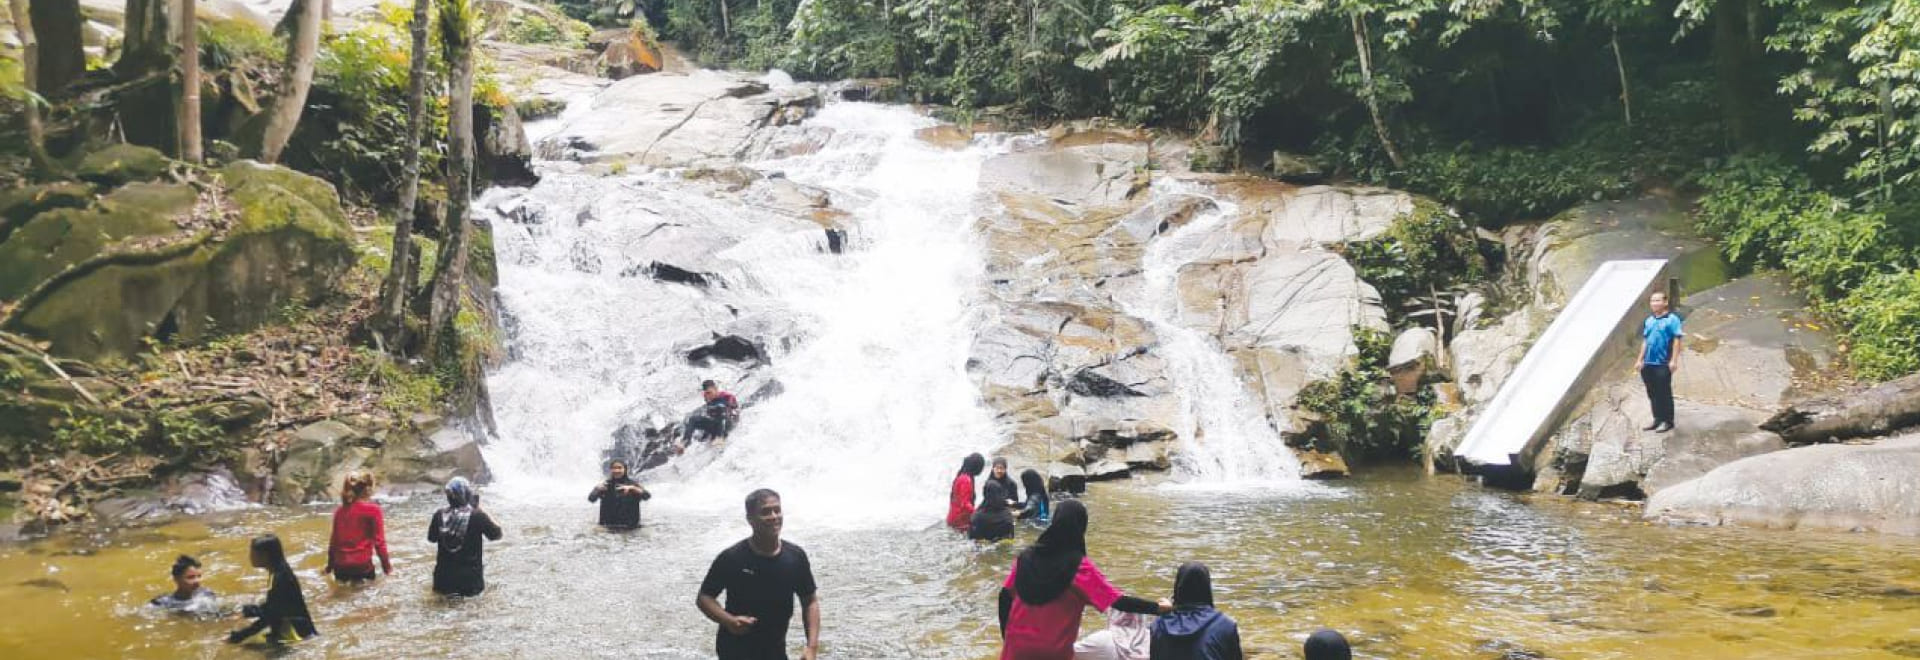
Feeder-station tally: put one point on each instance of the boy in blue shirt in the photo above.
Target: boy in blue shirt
(1659, 358)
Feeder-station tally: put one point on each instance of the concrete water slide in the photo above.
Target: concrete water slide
(1597, 330)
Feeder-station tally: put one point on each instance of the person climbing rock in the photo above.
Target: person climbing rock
(284, 614)
(619, 497)
(761, 576)
(1659, 359)
(187, 595)
(960, 498)
(1007, 486)
(1195, 630)
(458, 532)
(1051, 582)
(718, 412)
(1038, 507)
(359, 532)
(993, 521)
(1325, 644)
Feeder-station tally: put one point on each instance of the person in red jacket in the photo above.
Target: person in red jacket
(359, 532)
(960, 502)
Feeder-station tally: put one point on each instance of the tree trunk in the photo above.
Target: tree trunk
(1366, 80)
(148, 44)
(1888, 407)
(1620, 64)
(188, 115)
(29, 58)
(394, 293)
(1734, 53)
(56, 23)
(726, 30)
(302, 48)
(444, 305)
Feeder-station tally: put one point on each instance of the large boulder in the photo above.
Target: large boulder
(158, 261)
(505, 157)
(676, 120)
(1874, 487)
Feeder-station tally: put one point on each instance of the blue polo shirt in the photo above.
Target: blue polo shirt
(1659, 332)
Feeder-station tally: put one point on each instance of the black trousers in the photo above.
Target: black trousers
(713, 427)
(1659, 381)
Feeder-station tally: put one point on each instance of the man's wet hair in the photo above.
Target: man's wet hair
(707, 383)
(182, 563)
(755, 498)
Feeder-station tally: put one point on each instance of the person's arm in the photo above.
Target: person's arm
(488, 527)
(810, 618)
(1230, 644)
(644, 493)
(1141, 606)
(1673, 348)
(1006, 609)
(1640, 364)
(333, 541)
(433, 528)
(597, 490)
(379, 521)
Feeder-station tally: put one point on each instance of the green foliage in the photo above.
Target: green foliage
(403, 391)
(91, 432)
(235, 43)
(1426, 251)
(1859, 84)
(354, 133)
(1855, 257)
(1362, 416)
(533, 28)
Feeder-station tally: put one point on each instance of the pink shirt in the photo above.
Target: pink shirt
(1047, 631)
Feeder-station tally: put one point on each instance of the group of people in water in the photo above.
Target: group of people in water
(1053, 580)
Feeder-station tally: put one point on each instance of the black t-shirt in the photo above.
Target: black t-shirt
(759, 587)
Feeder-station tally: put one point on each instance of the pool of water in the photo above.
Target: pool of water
(1409, 566)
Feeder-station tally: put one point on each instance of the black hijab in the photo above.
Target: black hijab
(994, 497)
(1193, 586)
(1325, 644)
(1036, 487)
(1047, 568)
(973, 465)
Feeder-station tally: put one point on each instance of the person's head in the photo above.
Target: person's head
(1657, 302)
(1068, 529)
(1193, 586)
(186, 574)
(357, 486)
(1036, 486)
(460, 493)
(266, 552)
(764, 513)
(1325, 644)
(973, 465)
(709, 389)
(994, 496)
(999, 467)
(618, 470)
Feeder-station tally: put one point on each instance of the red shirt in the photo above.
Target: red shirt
(960, 504)
(1047, 631)
(359, 531)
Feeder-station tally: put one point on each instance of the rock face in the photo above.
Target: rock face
(675, 120)
(155, 260)
(505, 156)
(1873, 487)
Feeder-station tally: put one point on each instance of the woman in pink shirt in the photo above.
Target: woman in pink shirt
(359, 532)
(1040, 602)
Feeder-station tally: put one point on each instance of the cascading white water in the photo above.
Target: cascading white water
(875, 408)
(1225, 440)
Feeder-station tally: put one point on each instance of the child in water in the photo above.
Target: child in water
(187, 597)
(284, 614)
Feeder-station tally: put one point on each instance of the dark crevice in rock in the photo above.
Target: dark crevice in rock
(673, 274)
(1087, 383)
(1629, 490)
(836, 241)
(727, 348)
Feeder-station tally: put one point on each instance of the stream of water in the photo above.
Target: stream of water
(873, 410)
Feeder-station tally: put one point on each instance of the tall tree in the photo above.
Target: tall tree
(303, 46)
(188, 116)
(57, 24)
(399, 283)
(29, 58)
(456, 36)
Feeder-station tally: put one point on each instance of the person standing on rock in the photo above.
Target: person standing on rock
(718, 412)
(1659, 357)
(761, 576)
(619, 497)
(359, 533)
(960, 499)
(457, 532)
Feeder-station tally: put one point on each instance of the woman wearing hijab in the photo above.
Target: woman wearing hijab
(1051, 582)
(1000, 475)
(993, 521)
(1195, 631)
(1037, 506)
(1325, 644)
(960, 501)
(284, 614)
(457, 530)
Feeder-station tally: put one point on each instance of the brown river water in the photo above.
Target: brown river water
(1408, 566)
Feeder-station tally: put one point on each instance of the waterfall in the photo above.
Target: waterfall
(1225, 438)
(874, 407)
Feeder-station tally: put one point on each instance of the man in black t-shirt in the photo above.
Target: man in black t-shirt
(761, 577)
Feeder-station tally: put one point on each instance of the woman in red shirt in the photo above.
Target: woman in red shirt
(960, 502)
(359, 532)
(1051, 582)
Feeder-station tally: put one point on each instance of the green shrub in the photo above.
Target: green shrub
(534, 28)
(1883, 320)
(403, 391)
(1363, 417)
(1426, 251)
(233, 43)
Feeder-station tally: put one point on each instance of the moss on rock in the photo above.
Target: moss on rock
(122, 163)
(58, 239)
